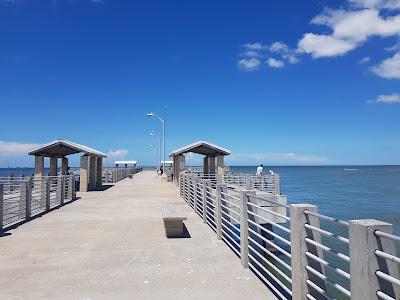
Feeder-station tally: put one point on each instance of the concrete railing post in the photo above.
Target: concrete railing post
(62, 190)
(299, 247)
(277, 184)
(244, 226)
(218, 209)
(1, 207)
(47, 193)
(195, 199)
(364, 283)
(248, 182)
(206, 184)
(26, 196)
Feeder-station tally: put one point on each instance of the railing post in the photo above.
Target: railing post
(277, 184)
(62, 190)
(299, 247)
(220, 188)
(364, 283)
(195, 180)
(47, 187)
(1, 207)
(244, 226)
(248, 182)
(26, 195)
(206, 183)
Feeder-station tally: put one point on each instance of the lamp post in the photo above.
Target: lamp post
(152, 133)
(152, 114)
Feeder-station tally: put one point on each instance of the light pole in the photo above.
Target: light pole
(152, 114)
(152, 133)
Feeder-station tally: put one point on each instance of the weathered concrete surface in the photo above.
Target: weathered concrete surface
(112, 245)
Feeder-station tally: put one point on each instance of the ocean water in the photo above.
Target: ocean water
(343, 192)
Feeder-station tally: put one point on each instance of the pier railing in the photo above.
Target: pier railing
(22, 198)
(296, 251)
(113, 175)
(266, 182)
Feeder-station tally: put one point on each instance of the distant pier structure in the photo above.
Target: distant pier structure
(213, 162)
(91, 162)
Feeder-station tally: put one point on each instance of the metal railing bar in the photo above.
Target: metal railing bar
(262, 248)
(387, 235)
(237, 221)
(269, 211)
(319, 290)
(328, 265)
(334, 220)
(271, 244)
(230, 209)
(328, 281)
(328, 250)
(230, 243)
(231, 231)
(327, 233)
(387, 256)
(387, 277)
(269, 221)
(273, 202)
(383, 296)
(288, 279)
(270, 232)
(271, 275)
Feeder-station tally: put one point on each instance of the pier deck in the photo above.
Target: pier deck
(112, 245)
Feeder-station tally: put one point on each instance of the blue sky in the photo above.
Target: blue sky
(278, 82)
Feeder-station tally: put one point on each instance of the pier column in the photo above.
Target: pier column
(84, 173)
(99, 175)
(64, 166)
(205, 165)
(92, 173)
(220, 165)
(39, 165)
(211, 165)
(53, 166)
(179, 164)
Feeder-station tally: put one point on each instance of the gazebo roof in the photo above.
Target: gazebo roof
(61, 148)
(202, 147)
(125, 162)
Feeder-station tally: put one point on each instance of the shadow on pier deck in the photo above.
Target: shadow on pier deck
(111, 245)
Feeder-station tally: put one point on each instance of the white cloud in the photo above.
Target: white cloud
(275, 63)
(350, 28)
(275, 158)
(252, 53)
(386, 99)
(116, 154)
(324, 45)
(250, 64)
(278, 47)
(15, 154)
(255, 46)
(380, 4)
(389, 68)
(364, 60)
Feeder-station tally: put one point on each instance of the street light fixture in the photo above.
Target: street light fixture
(153, 114)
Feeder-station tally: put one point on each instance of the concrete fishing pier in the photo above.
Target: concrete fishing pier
(111, 245)
(242, 240)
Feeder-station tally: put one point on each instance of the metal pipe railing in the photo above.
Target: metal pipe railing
(256, 226)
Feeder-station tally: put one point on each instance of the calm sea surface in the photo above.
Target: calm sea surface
(345, 192)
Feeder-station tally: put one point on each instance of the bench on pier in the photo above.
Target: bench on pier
(173, 222)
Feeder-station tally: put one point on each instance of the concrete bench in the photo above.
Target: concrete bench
(173, 222)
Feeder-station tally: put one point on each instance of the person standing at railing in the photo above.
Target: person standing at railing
(260, 170)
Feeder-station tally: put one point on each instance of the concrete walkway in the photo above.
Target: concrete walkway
(111, 245)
